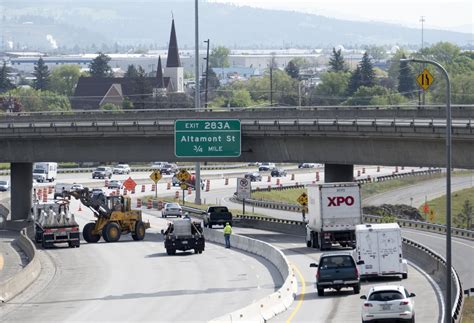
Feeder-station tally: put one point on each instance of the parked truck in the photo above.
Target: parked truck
(43, 172)
(55, 224)
(380, 247)
(334, 210)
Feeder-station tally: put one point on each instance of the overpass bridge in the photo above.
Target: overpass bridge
(338, 137)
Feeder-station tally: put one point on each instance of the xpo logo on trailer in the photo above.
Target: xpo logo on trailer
(340, 200)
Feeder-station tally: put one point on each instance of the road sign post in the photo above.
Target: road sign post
(207, 138)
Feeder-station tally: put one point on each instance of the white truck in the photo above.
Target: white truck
(380, 247)
(334, 209)
(43, 172)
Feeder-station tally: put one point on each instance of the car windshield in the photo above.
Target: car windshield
(172, 205)
(100, 169)
(3, 183)
(336, 262)
(120, 166)
(385, 296)
(39, 171)
(218, 209)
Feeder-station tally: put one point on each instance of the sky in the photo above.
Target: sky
(455, 15)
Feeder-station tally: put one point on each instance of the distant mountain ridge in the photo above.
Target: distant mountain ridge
(148, 22)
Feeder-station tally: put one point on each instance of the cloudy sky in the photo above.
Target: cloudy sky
(454, 15)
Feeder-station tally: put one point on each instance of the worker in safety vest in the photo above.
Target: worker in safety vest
(227, 233)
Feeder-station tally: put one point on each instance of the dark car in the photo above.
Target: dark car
(336, 271)
(278, 172)
(217, 215)
(253, 177)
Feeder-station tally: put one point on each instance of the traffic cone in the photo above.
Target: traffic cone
(403, 167)
(269, 179)
(79, 209)
(106, 183)
(208, 185)
(117, 192)
(378, 169)
(149, 204)
(358, 173)
(317, 177)
(396, 169)
(226, 181)
(139, 203)
(269, 187)
(50, 189)
(124, 191)
(168, 186)
(190, 190)
(153, 187)
(143, 188)
(133, 190)
(278, 182)
(45, 198)
(363, 170)
(176, 195)
(292, 177)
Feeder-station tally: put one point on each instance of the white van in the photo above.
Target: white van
(43, 172)
(380, 247)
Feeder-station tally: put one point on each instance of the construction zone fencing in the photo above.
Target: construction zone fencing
(273, 304)
(21, 280)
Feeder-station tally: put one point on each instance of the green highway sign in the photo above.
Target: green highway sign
(207, 138)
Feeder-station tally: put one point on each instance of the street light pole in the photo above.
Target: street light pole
(197, 96)
(448, 181)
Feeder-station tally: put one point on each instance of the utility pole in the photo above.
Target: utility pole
(207, 72)
(299, 93)
(271, 85)
(197, 95)
(422, 20)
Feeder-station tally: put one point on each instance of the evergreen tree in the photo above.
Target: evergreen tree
(367, 74)
(336, 62)
(99, 67)
(292, 70)
(131, 71)
(42, 75)
(354, 81)
(5, 83)
(406, 79)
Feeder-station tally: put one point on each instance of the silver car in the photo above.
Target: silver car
(171, 209)
(4, 186)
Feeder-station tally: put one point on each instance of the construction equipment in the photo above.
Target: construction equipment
(183, 235)
(114, 217)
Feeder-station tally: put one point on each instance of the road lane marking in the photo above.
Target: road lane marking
(433, 236)
(303, 291)
(1, 262)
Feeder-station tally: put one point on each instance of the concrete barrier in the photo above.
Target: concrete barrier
(21, 280)
(269, 306)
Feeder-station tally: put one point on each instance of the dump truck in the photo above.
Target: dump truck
(55, 224)
(380, 247)
(114, 217)
(183, 235)
(334, 209)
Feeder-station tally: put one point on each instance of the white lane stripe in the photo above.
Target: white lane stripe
(434, 236)
(436, 288)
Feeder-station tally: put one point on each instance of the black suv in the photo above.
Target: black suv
(253, 177)
(337, 270)
(278, 172)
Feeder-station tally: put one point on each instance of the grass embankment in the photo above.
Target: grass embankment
(457, 202)
(4, 165)
(369, 189)
(468, 310)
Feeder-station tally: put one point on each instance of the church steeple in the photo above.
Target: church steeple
(159, 75)
(173, 54)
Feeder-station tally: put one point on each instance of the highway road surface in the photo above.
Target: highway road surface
(136, 281)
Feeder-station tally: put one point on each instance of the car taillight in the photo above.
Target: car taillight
(317, 274)
(367, 305)
(356, 271)
(404, 302)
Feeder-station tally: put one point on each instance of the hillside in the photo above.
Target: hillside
(74, 22)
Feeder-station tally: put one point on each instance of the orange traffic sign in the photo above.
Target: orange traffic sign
(426, 208)
(425, 79)
(129, 184)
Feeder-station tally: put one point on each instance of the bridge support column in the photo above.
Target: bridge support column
(338, 173)
(21, 175)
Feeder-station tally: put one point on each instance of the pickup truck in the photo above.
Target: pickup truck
(336, 271)
(217, 215)
(183, 235)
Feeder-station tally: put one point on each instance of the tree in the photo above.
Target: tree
(394, 67)
(331, 90)
(464, 218)
(406, 79)
(131, 71)
(142, 89)
(292, 70)
(99, 67)
(367, 74)
(336, 62)
(42, 75)
(375, 95)
(240, 98)
(377, 52)
(111, 107)
(219, 57)
(32, 100)
(64, 79)
(354, 81)
(5, 83)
